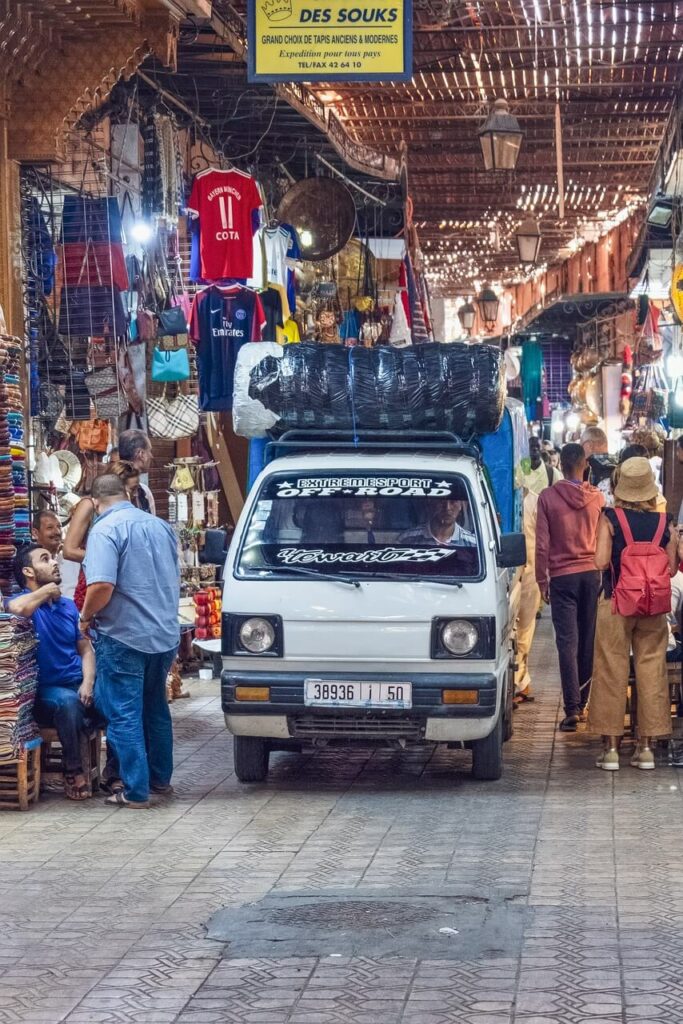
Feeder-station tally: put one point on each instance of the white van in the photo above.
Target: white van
(368, 600)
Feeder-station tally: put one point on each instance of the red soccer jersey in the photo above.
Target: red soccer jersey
(224, 201)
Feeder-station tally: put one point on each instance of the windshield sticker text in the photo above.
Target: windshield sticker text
(303, 556)
(324, 487)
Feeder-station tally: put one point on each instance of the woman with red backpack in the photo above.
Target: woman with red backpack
(637, 548)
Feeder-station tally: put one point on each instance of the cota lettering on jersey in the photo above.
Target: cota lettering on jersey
(227, 215)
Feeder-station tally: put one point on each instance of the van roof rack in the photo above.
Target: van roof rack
(370, 440)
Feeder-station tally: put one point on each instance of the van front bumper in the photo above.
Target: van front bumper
(285, 716)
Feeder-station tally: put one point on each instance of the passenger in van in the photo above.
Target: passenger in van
(362, 522)
(442, 526)
(322, 521)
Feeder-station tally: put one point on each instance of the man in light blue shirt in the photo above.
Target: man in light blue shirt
(131, 568)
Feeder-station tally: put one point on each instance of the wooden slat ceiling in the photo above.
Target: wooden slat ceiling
(29, 29)
(614, 66)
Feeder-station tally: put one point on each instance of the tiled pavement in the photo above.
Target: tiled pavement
(102, 911)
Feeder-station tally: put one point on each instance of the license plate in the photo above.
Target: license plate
(357, 694)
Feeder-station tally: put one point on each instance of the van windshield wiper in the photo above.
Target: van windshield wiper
(308, 572)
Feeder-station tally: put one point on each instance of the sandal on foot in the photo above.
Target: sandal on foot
(119, 799)
(74, 792)
(524, 698)
(569, 724)
(111, 786)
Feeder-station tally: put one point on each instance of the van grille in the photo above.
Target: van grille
(354, 726)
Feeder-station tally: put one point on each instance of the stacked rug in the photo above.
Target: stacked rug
(18, 683)
(7, 548)
(15, 422)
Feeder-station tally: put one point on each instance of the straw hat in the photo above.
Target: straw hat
(636, 481)
(71, 469)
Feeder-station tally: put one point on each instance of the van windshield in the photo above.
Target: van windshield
(363, 525)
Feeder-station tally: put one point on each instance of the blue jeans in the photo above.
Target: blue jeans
(131, 689)
(60, 708)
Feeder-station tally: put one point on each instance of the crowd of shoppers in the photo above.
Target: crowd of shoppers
(107, 666)
(605, 557)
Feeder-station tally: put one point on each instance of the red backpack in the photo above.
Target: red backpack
(644, 585)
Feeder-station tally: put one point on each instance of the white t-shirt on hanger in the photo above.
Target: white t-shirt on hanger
(258, 273)
(276, 244)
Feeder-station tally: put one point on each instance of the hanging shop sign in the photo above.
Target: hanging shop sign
(332, 41)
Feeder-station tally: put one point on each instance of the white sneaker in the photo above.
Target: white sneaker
(609, 761)
(643, 759)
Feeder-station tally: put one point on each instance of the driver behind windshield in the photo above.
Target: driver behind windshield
(442, 526)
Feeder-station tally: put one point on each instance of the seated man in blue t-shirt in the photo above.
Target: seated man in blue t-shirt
(66, 663)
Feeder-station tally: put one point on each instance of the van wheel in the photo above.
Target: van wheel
(487, 754)
(250, 757)
(509, 707)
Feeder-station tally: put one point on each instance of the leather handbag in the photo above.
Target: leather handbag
(92, 436)
(170, 366)
(104, 389)
(173, 418)
(172, 321)
(146, 324)
(127, 379)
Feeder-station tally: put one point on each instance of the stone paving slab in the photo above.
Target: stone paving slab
(103, 912)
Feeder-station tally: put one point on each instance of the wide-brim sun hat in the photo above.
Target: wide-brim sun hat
(636, 481)
(71, 468)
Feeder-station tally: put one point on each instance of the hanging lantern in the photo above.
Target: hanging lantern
(528, 238)
(488, 303)
(500, 138)
(466, 316)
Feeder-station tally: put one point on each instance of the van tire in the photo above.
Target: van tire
(487, 754)
(509, 707)
(250, 757)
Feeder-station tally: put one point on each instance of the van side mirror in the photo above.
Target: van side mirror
(512, 550)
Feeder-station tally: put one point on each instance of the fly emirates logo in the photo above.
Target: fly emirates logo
(228, 328)
(227, 196)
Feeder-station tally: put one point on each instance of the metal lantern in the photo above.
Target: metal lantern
(488, 303)
(466, 316)
(528, 238)
(500, 138)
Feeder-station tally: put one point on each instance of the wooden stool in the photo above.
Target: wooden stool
(20, 781)
(52, 760)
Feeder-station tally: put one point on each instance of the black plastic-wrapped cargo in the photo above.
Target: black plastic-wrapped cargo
(454, 387)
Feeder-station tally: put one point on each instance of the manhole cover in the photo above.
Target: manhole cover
(442, 925)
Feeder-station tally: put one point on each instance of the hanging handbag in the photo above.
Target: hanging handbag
(127, 380)
(92, 436)
(182, 479)
(181, 298)
(146, 324)
(172, 342)
(170, 366)
(173, 418)
(51, 401)
(172, 321)
(103, 388)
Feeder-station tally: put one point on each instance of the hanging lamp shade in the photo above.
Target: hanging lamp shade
(500, 138)
(528, 238)
(466, 315)
(488, 303)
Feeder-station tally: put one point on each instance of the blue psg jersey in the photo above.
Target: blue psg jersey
(222, 320)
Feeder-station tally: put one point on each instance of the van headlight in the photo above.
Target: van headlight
(257, 635)
(459, 637)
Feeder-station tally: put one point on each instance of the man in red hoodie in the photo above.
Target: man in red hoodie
(566, 533)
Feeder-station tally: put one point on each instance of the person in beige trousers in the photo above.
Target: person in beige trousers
(616, 635)
(529, 603)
